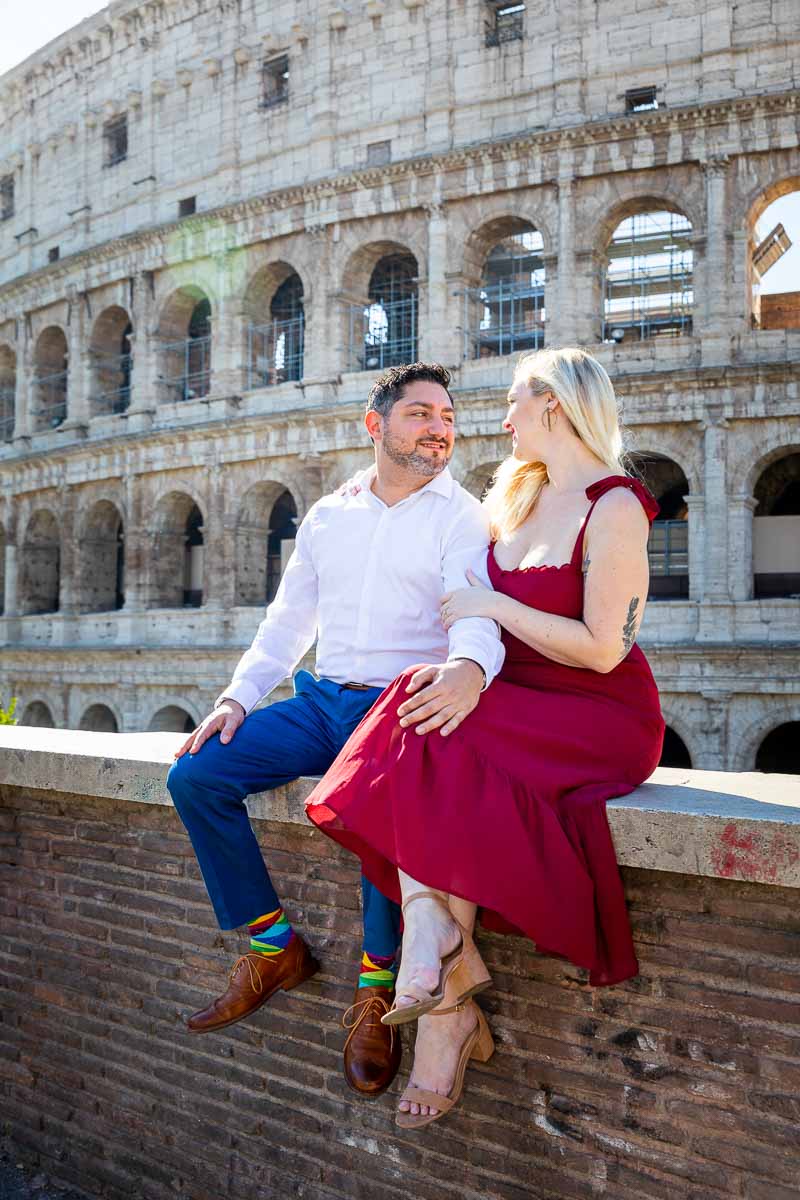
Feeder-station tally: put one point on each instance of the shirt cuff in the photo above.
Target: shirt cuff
(243, 692)
(477, 654)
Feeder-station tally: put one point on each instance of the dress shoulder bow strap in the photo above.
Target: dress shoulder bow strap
(643, 493)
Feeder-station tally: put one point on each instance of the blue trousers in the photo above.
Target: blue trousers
(272, 746)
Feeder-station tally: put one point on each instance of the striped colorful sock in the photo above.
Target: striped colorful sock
(270, 934)
(377, 971)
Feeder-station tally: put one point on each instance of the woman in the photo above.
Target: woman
(508, 811)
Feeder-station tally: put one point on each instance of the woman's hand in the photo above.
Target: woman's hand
(474, 601)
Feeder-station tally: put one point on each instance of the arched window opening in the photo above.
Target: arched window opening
(668, 547)
(506, 315)
(119, 574)
(383, 333)
(775, 263)
(99, 719)
(50, 380)
(40, 569)
(779, 753)
(176, 563)
(265, 533)
(111, 363)
(186, 363)
(674, 753)
(776, 530)
(193, 559)
(280, 543)
(37, 714)
(102, 557)
(648, 285)
(171, 719)
(2, 570)
(8, 391)
(275, 352)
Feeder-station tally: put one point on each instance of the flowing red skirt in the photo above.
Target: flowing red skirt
(509, 810)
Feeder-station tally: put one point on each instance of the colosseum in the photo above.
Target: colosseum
(218, 221)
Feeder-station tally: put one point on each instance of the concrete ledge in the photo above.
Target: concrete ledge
(719, 824)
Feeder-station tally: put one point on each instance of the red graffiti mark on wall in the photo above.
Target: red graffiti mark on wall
(750, 855)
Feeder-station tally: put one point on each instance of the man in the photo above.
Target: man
(369, 567)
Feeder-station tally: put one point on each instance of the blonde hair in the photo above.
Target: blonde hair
(588, 403)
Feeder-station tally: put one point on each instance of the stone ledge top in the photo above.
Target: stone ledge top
(724, 824)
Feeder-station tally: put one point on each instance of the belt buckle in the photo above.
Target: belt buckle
(357, 687)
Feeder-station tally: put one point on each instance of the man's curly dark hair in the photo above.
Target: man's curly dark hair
(389, 387)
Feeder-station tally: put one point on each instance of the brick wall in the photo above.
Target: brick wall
(683, 1082)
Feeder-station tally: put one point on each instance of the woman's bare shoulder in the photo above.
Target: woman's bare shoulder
(618, 513)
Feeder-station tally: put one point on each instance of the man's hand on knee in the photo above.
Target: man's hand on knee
(442, 696)
(224, 720)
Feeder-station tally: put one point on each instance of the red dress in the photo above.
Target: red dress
(509, 810)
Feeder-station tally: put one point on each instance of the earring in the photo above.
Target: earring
(547, 414)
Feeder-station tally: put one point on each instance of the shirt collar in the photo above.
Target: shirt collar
(441, 484)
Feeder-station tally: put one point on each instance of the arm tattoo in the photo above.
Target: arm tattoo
(586, 565)
(629, 628)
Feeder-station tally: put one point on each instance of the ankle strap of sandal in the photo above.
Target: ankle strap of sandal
(425, 895)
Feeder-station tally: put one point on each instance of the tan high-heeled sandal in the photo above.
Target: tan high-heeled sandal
(478, 1045)
(461, 971)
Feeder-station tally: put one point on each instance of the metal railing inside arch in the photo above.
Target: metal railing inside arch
(185, 369)
(382, 333)
(50, 404)
(275, 352)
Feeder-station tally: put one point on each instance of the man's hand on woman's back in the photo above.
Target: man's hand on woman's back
(224, 720)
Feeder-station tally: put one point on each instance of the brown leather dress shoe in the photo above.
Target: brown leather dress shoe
(253, 979)
(372, 1051)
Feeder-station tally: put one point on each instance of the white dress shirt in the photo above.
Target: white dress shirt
(366, 580)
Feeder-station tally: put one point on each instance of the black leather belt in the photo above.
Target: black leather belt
(357, 687)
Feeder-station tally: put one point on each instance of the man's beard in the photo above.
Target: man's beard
(412, 460)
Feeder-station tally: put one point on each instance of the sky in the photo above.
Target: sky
(27, 27)
(785, 275)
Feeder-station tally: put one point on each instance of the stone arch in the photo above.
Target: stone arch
(763, 194)
(99, 718)
(777, 444)
(477, 480)
(8, 391)
(776, 527)
(40, 565)
(38, 714)
(648, 269)
(675, 752)
(264, 279)
(763, 251)
(358, 257)
(50, 378)
(3, 540)
(746, 746)
(183, 334)
(101, 582)
(267, 517)
(111, 362)
(505, 278)
(668, 547)
(178, 558)
(273, 307)
(674, 720)
(630, 200)
(779, 751)
(172, 718)
(484, 230)
(384, 328)
(355, 257)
